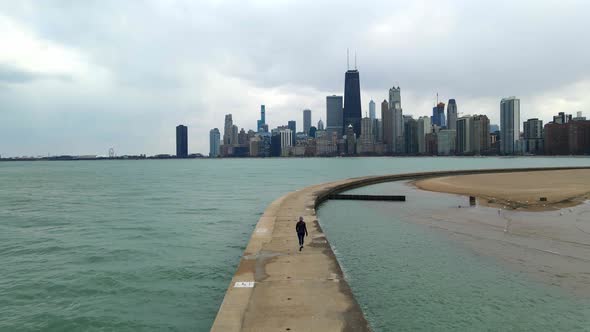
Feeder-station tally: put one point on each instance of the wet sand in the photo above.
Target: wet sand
(549, 241)
(520, 190)
(552, 247)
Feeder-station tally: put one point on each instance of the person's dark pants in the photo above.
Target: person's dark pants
(301, 236)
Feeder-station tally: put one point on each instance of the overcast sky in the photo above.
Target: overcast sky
(79, 77)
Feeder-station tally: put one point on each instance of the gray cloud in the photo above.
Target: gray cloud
(167, 62)
(12, 75)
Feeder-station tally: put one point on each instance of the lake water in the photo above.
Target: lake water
(152, 245)
(408, 276)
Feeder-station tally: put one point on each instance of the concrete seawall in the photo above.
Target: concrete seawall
(278, 288)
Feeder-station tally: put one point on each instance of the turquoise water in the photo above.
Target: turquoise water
(151, 245)
(409, 277)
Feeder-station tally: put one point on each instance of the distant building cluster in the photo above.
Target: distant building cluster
(347, 133)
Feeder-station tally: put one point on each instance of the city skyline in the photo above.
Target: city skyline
(122, 74)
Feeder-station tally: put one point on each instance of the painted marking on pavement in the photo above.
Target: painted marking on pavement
(261, 230)
(244, 284)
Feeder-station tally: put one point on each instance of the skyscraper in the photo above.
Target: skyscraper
(387, 126)
(242, 137)
(533, 136)
(395, 97)
(410, 135)
(214, 138)
(260, 123)
(424, 128)
(286, 141)
(378, 130)
(181, 141)
(321, 125)
(366, 141)
(234, 135)
(275, 144)
(312, 131)
(227, 130)
(464, 135)
(445, 142)
(438, 115)
(372, 110)
(350, 140)
(509, 125)
(395, 105)
(352, 101)
(367, 135)
(293, 126)
(334, 115)
(452, 114)
(306, 121)
(481, 135)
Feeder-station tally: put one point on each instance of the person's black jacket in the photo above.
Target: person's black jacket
(300, 227)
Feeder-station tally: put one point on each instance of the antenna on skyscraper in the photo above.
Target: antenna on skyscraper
(437, 98)
(354, 60)
(347, 60)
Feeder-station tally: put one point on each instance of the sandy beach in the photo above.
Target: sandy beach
(520, 190)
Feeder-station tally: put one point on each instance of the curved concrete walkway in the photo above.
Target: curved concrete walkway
(278, 288)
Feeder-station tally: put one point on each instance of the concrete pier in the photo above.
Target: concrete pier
(279, 288)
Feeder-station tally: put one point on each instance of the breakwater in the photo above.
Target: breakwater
(277, 287)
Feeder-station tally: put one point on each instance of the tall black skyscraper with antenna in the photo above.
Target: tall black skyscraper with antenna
(352, 99)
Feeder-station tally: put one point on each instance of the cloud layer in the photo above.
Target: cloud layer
(81, 77)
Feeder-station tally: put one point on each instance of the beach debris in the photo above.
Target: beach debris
(543, 199)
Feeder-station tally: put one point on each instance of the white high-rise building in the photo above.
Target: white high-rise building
(214, 142)
(509, 125)
(367, 135)
(286, 137)
(372, 115)
(424, 127)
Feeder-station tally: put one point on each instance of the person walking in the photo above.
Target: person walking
(301, 231)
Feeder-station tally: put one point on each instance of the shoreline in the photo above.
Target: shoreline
(517, 191)
(75, 158)
(288, 289)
